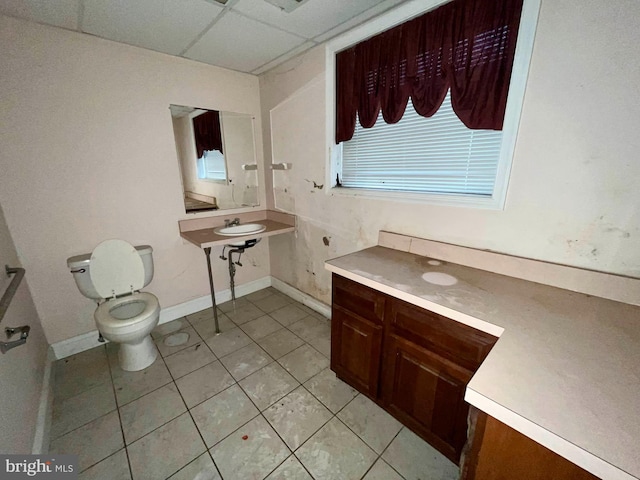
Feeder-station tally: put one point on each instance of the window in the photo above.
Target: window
(433, 159)
(437, 155)
(211, 166)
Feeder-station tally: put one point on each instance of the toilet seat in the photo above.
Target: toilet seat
(108, 323)
(116, 269)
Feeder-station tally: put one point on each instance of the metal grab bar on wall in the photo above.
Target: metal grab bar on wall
(4, 306)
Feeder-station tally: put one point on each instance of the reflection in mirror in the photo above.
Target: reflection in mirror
(216, 152)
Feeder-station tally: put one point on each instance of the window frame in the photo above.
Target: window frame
(519, 75)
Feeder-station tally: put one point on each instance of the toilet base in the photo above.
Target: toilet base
(136, 357)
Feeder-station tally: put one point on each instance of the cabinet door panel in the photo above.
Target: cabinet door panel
(426, 392)
(355, 350)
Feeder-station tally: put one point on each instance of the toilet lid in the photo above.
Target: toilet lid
(116, 268)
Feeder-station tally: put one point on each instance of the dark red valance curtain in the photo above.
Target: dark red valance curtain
(465, 45)
(207, 132)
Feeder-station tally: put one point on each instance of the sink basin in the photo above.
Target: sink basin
(238, 230)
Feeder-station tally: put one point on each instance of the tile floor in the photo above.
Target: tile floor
(257, 401)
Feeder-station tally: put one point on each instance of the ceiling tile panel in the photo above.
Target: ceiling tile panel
(243, 44)
(59, 13)
(167, 26)
(358, 19)
(311, 19)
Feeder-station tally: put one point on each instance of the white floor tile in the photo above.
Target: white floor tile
(204, 383)
(330, 390)
(268, 385)
(304, 362)
(290, 469)
(297, 416)
(222, 414)
(252, 452)
(111, 468)
(280, 343)
(150, 412)
(202, 468)
(370, 422)
(190, 359)
(415, 459)
(80, 409)
(228, 342)
(261, 327)
(166, 450)
(92, 442)
(245, 361)
(382, 471)
(132, 385)
(336, 453)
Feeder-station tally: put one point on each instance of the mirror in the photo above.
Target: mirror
(225, 174)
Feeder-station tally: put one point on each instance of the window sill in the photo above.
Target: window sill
(213, 180)
(489, 203)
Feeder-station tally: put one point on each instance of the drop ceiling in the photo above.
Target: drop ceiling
(250, 36)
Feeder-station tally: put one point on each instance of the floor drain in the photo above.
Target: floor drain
(176, 339)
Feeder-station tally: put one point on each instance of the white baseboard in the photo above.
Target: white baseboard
(299, 296)
(192, 306)
(43, 422)
(77, 344)
(85, 341)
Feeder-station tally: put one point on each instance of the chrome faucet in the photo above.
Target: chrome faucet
(230, 223)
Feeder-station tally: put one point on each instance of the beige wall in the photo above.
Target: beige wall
(22, 368)
(88, 154)
(573, 195)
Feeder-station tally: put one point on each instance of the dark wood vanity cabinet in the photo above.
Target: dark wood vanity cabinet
(413, 362)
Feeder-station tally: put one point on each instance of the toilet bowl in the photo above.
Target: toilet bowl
(128, 321)
(115, 272)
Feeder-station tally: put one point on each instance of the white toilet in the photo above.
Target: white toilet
(115, 272)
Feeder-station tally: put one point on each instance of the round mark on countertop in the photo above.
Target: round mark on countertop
(434, 262)
(439, 278)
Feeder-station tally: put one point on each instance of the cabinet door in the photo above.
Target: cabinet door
(426, 392)
(356, 346)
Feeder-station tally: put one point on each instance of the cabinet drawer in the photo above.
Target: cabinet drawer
(457, 342)
(357, 298)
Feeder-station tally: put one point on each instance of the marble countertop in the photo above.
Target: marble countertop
(566, 369)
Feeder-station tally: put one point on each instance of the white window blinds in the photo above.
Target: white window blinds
(438, 155)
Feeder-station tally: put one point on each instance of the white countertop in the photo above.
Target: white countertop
(566, 369)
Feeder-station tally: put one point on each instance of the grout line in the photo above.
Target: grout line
(188, 411)
(206, 447)
(115, 396)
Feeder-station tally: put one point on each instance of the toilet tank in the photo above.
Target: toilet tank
(79, 266)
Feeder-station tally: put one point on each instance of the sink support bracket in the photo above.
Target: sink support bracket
(207, 252)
